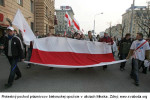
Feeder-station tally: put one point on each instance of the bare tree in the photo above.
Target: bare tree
(142, 18)
(122, 28)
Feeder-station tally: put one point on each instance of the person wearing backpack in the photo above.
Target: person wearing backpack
(138, 50)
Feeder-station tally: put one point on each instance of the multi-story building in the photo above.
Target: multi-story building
(8, 9)
(139, 16)
(115, 31)
(44, 16)
(38, 13)
(62, 26)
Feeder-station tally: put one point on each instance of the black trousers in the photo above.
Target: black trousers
(105, 67)
(122, 57)
(13, 70)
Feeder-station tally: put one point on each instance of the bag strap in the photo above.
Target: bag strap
(140, 45)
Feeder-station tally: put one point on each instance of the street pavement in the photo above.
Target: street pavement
(42, 79)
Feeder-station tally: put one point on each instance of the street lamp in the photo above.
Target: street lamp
(130, 31)
(94, 22)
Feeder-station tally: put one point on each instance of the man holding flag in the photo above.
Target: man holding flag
(13, 46)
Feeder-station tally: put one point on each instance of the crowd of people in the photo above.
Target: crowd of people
(12, 45)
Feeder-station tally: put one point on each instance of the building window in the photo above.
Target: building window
(47, 11)
(133, 31)
(50, 13)
(2, 2)
(32, 26)
(46, 29)
(20, 2)
(60, 28)
(32, 6)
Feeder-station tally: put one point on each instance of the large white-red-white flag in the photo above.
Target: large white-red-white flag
(76, 25)
(70, 53)
(20, 22)
(68, 19)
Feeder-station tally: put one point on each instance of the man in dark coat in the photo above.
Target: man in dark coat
(124, 48)
(14, 52)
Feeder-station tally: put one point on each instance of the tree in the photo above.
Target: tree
(121, 27)
(142, 19)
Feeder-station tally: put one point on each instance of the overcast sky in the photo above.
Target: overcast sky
(85, 10)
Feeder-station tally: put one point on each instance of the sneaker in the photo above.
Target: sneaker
(8, 85)
(122, 69)
(17, 77)
(104, 68)
(28, 66)
(51, 68)
(136, 84)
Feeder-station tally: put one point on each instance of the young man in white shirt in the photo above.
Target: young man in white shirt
(138, 50)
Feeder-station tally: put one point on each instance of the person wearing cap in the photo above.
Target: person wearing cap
(14, 52)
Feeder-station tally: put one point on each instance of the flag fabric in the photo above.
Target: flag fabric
(70, 53)
(76, 24)
(20, 22)
(68, 19)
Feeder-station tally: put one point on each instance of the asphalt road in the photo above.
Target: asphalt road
(42, 79)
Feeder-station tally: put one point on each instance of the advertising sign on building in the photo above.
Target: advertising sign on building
(65, 7)
(1, 17)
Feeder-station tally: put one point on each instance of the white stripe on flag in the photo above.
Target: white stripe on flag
(68, 66)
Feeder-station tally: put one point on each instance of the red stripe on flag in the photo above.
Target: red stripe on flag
(67, 17)
(69, 23)
(76, 25)
(69, 58)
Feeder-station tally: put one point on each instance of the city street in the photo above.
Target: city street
(42, 79)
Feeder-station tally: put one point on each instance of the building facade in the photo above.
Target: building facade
(62, 26)
(44, 16)
(139, 18)
(8, 9)
(115, 31)
(38, 13)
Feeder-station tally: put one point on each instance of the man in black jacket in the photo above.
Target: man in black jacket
(14, 52)
(124, 48)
